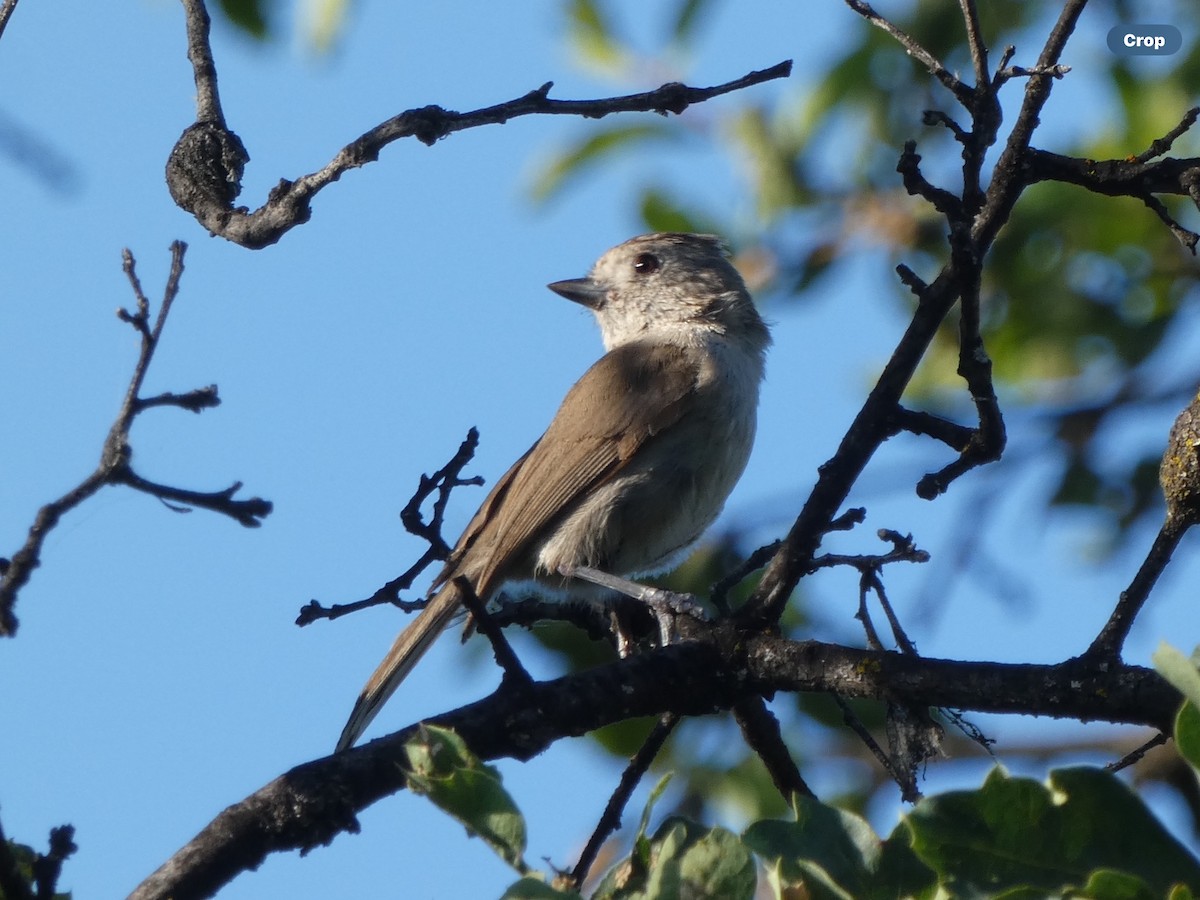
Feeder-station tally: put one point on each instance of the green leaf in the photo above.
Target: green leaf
(1105, 884)
(596, 147)
(325, 20)
(661, 213)
(248, 15)
(832, 853)
(534, 887)
(684, 860)
(690, 14)
(593, 37)
(714, 863)
(1017, 833)
(1179, 670)
(1187, 733)
(444, 769)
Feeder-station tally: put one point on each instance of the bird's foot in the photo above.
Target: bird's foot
(665, 606)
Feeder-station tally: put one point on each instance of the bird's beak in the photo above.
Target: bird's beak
(581, 290)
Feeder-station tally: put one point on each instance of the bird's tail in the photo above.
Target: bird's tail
(410, 646)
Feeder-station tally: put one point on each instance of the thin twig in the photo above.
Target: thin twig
(914, 182)
(204, 69)
(913, 48)
(863, 614)
(761, 730)
(979, 55)
(986, 442)
(719, 592)
(1135, 755)
(851, 719)
(514, 672)
(443, 482)
(923, 423)
(204, 171)
(1108, 643)
(114, 466)
(610, 821)
(902, 640)
(1161, 145)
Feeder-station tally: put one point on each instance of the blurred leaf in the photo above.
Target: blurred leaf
(684, 860)
(661, 213)
(1079, 484)
(534, 887)
(248, 15)
(830, 853)
(771, 163)
(324, 22)
(598, 146)
(1018, 833)
(444, 769)
(1105, 884)
(1179, 670)
(593, 37)
(1187, 733)
(688, 17)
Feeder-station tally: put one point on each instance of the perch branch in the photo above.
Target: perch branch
(312, 803)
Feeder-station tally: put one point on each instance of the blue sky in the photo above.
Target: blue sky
(157, 676)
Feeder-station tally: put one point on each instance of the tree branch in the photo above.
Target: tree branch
(6, 11)
(114, 466)
(204, 171)
(442, 482)
(610, 821)
(873, 424)
(309, 805)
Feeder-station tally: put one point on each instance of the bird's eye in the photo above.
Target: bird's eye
(645, 264)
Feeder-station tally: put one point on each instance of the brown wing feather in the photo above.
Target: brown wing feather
(632, 393)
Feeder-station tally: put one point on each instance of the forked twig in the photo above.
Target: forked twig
(114, 466)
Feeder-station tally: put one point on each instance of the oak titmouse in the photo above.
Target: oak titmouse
(639, 458)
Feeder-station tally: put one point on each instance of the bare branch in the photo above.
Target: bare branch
(761, 730)
(114, 466)
(913, 48)
(919, 422)
(610, 821)
(1138, 753)
(1133, 177)
(1161, 145)
(204, 171)
(514, 673)
(1108, 643)
(914, 182)
(309, 805)
(6, 11)
(443, 481)
(876, 419)
(1179, 477)
(979, 60)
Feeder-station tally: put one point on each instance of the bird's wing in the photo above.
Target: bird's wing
(632, 393)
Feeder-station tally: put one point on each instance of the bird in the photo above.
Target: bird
(641, 455)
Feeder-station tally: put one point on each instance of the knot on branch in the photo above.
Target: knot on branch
(205, 167)
(673, 97)
(430, 124)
